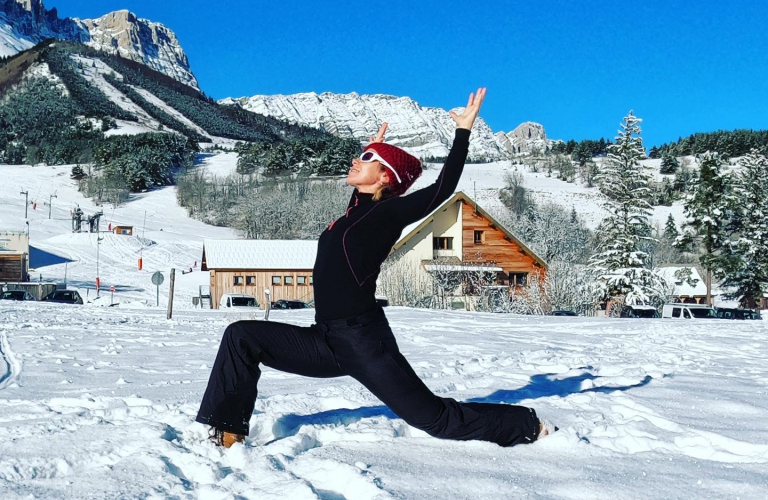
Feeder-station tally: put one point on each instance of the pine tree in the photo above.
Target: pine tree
(670, 229)
(620, 264)
(707, 212)
(669, 165)
(745, 266)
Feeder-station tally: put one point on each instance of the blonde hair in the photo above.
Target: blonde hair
(383, 191)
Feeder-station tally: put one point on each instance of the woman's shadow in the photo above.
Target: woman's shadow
(540, 386)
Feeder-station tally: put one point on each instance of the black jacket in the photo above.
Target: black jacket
(350, 252)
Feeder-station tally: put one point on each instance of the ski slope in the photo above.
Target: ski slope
(169, 239)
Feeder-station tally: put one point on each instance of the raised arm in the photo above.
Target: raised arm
(414, 206)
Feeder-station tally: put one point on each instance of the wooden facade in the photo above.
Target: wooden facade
(484, 242)
(460, 237)
(255, 281)
(13, 267)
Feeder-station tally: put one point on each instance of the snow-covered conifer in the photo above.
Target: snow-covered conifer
(706, 210)
(669, 165)
(620, 264)
(670, 229)
(746, 271)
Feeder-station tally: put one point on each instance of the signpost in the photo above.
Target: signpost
(112, 299)
(170, 293)
(157, 280)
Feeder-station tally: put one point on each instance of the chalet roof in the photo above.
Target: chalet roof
(413, 229)
(681, 287)
(259, 254)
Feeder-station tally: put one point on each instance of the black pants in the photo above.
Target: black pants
(363, 348)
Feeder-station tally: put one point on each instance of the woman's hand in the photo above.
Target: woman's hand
(467, 117)
(380, 134)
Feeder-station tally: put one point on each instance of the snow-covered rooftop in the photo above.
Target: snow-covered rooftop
(682, 286)
(260, 254)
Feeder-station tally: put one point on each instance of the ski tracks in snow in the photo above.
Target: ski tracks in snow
(10, 366)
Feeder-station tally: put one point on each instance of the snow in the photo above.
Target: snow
(11, 42)
(93, 70)
(219, 164)
(481, 182)
(99, 402)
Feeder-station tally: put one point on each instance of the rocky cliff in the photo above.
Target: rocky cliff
(24, 23)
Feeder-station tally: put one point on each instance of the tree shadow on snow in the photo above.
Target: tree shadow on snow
(540, 386)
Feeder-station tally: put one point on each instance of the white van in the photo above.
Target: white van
(688, 311)
(237, 301)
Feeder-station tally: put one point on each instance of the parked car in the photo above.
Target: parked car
(688, 311)
(289, 304)
(639, 311)
(65, 297)
(564, 312)
(16, 295)
(735, 313)
(237, 301)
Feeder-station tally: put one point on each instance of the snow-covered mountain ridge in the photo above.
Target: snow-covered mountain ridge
(24, 23)
(423, 131)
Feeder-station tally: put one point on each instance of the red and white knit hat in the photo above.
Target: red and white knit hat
(402, 168)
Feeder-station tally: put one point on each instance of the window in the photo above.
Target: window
(442, 243)
(288, 280)
(675, 312)
(518, 279)
(301, 280)
(686, 314)
(311, 281)
(250, 280)
(276, 280)
(238, 280)
(479, 237)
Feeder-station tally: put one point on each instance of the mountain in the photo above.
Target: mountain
(423, 131)
(528, 137)
(24, 23)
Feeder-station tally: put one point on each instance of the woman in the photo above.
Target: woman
(351, 335)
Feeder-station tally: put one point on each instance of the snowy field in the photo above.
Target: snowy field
(100, 402)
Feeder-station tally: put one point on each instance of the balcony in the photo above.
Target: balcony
(441, 254)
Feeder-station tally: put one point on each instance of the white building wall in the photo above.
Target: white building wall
(14, 242)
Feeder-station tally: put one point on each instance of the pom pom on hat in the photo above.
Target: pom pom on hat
(407, 166)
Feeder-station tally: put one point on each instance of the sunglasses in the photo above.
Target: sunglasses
(372, 155)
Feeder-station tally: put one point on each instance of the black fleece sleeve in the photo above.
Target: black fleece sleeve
(412, 207)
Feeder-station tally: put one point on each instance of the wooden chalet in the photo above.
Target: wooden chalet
(460, 236)
(252, 266)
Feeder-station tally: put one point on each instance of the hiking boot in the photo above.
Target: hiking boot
(224, 438)
(546, 428)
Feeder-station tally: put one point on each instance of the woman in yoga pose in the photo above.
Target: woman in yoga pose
(351, 335)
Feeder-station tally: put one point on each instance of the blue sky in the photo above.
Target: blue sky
(577, 67)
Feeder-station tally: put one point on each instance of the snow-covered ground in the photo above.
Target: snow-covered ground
(100, 403)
